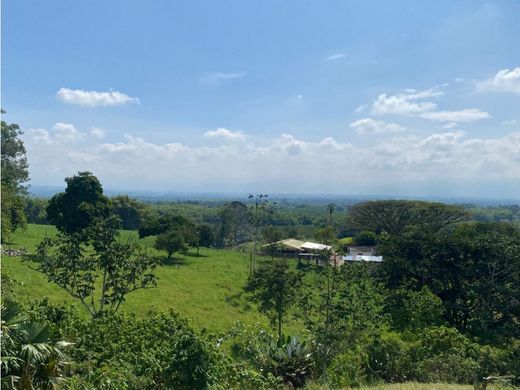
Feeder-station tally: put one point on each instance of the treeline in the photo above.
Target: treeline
(228, 220)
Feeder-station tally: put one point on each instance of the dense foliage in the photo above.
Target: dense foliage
(82, 202)
(14, 178)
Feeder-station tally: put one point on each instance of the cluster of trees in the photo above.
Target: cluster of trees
(441, 307)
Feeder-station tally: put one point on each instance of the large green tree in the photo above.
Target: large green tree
(474, 268)
(80, 205)
(15, 176)
(170, 241)
(395, 216)
(130, 211)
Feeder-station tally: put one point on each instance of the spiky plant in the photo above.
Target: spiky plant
(30, 359)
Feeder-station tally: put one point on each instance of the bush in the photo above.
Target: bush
(122, 352)
(411, 310)
(348, 369)
(390, 359)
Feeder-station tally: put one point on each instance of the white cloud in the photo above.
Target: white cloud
(215, 79)
(226, 134)
(361, 107)
(442, 160)
(510, 122)
(94, 98)
(450, 125)
(408, 103)
(371, 126)
(504, 81)
(466, 115)
(336, 56)
(97, 132)
(66, 132)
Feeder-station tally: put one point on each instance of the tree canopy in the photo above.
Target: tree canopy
(80, 205)
(15, 175)
(395, 216)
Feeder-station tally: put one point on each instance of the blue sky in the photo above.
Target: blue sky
(347, 97)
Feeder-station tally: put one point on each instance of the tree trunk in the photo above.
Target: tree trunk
(279, 325)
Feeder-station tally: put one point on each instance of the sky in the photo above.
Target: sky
(354, 97)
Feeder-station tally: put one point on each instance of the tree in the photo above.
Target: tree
(204, 236)
(80, 205)
(154, 224)
(233, 223)
(325, 235)
(274, 287)
(170, 241)
(129, 210)
(82, 267)
(474, 268)
(15, 176)
(259, 209)
(395, 216)
(35, 210)
(339, 307)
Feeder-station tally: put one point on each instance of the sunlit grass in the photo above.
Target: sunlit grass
(207, 288)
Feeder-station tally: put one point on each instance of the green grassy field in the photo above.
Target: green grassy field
(345, 241)
(205, 288)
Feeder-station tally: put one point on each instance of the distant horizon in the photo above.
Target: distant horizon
(48, 191)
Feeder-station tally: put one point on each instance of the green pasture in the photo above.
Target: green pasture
(207, 288)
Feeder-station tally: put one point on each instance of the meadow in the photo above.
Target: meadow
(206, 288)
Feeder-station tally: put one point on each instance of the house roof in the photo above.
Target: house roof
(315, 246)
(377, 259)
(289, 243)
(293, 243)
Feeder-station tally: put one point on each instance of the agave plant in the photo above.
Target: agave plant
(30, 359)
(289, 359)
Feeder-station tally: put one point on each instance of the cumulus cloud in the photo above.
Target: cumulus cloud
(94, 98)
(450, 125)
(409, 102)
(504, 81)
(67, 132)
(226, 134)
(283, 164)
(466, 115)
(371, 126)
(215, 79)
(97, 132)
(336, 56)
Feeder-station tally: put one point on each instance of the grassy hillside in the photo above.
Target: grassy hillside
(206, 288)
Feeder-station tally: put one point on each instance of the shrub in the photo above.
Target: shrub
(348, 369)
